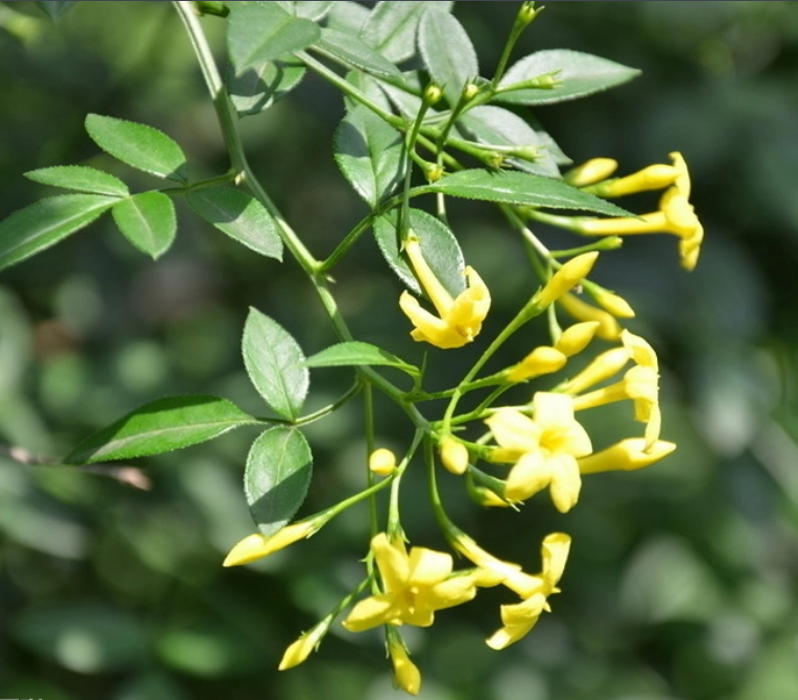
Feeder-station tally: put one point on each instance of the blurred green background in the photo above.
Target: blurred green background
(683, 579)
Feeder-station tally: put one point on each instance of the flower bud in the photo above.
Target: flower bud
(307, 643)
(382, 462)
(432, 94)
(566, 278)
(616, 305)
(257, 546)
(542, 360)
(593, 171)
(454, 455)
(576, 338)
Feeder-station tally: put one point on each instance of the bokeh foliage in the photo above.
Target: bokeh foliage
(682, 579)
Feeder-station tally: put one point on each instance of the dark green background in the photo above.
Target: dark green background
(683, 578)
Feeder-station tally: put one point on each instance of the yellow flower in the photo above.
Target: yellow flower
(566, 278)
(308, 642)
(257, 546)
(542, 360)
(576, 338)
(405, 672)
(519, 618)
(608, 328)
(544, 449)
(675, 215)
(640, 383)
(626, 455)
(416, 585)
(593, 171)
(459, 320)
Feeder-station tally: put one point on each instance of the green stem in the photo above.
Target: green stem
(353, 391)
(368, 407)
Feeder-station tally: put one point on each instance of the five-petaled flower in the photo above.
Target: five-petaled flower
(415, 584)
(459, 320)
(544, 449)
(519, 618)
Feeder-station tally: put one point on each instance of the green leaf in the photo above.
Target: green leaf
(55, 9)
(581, 74)
(276, 479)
(80, 178)
(520, 188)
(391, 27)
(257, 87)
(447, 52)
(275, 364)
(347, 16)
(370, 154)
(140, 146)
(310, 9)
(495, 126)
(353, 53)
(438, 246)
(240, 216)
(44, 223)
(161, 426)
(148, 221)
(264, 31)
(357, 353)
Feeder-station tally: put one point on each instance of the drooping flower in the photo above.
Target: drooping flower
(640, 384)
(519, 618)
(256, 546)
(459, 320)
(626, 455)
(416, 585)
(675, 215)
(544, 449)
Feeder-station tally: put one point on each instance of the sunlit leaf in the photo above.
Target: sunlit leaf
(44, 223)
(80, 178)
(391, 27)
(370, 154)
(240, 216)
(264, 31)
(521, 188)
(447, 52)
(148, 221)
(581, 74)
(139, 145)
(161, 426)
(356, 353)
(275, 364)
(353, 53)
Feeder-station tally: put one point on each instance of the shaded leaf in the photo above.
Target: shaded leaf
(258, 86)
(352, 52)
(347, 16)
(276, 479)
(81, 178)
(44, 223)
(356, 353)
(139, 145)
(275, 364)
(240, 216)
(264, 31)
(581, 74)
(447, 52)
(161, 426)
(148, 221)
(391, 27)
(438, 246)
(521, 188)
(369, 153)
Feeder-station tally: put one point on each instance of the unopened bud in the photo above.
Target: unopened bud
(454, 455)
(382, 462)
(432, 94)
(616, 305)
(591, 172)
(470, 91)
(576, 338)
(566, 278)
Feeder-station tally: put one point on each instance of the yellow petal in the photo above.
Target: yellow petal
(257, 546)
(372, 612)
